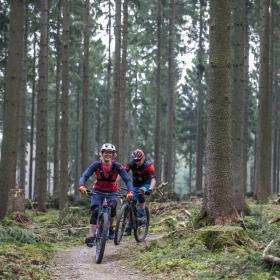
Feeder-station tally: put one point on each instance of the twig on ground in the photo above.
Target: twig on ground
(274, 220)
(270, 258)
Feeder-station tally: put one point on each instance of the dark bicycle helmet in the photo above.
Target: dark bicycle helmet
(137, 155)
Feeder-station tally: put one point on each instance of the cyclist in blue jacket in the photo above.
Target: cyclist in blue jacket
(106, 171)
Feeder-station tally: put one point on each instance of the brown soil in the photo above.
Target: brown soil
(79, 263)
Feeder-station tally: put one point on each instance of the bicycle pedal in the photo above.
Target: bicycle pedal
(141, 221)
(90, 241)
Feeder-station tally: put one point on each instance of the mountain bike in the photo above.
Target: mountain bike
(102, 225)
(128, 214)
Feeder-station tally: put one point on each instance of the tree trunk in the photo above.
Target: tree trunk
(85, 126)
(263, 156)
(64, 110)
(109, 74)
(22, 113)
(171, 97)
(219, 205)
(278, 155)
(78, 155)
(122, 130)
(42, 113)
(190, 167)
(275, 96)
(30, 193)
(11, 103)
(158, 136)
(237, 101)
(98, 122)
(246, 92)
(117, 73)
(199, 126)
(57, 107)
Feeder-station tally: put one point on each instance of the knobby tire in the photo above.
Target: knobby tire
(141, 231)
(121, 223)
(101, 239)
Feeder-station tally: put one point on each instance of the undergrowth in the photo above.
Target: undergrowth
(212, 252)
(27, 248)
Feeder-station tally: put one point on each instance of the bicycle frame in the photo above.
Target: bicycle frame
(102, 225)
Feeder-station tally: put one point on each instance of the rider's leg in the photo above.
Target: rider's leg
(90, 240)
(135, 199)
(141, 198)
(113, 202)
(95, 202)
(93, 220)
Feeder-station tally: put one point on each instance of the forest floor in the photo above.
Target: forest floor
(177, 247)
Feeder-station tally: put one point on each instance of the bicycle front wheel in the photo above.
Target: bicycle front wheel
(141, 227)
(122, 222)
(101, 236)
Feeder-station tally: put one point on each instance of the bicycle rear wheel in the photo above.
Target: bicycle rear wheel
(101, 237)
(122, 222)
(141, 227)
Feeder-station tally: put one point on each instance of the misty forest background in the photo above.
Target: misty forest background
(194, 83)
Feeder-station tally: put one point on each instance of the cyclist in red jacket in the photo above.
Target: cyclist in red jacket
(106, 171)
(143, 178)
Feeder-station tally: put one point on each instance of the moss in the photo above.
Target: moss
(219, 237)
(25, 261)
(212, 252)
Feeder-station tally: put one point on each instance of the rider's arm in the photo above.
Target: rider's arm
(122, 172)
(151, 170)
(153, 183)
(88, 172)
(127, 167)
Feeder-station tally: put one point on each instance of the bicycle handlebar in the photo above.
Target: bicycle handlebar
(93, 192)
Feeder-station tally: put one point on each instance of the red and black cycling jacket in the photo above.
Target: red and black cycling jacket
(106, 183)
(141, 174)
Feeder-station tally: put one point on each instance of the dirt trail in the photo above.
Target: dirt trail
(79, 263)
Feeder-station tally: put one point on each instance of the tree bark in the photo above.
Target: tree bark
(109, 74)
(30, 193)
(117, 73)
(158, 129)
(199, 126)
(171, 97)
(22, 113)
(64, 109)
(237, 101)
(57, 107)
(246, 92)
(42, 113)
(219, 207)
(11, 103)
(263, 151)
(122, 130)
(85, 126)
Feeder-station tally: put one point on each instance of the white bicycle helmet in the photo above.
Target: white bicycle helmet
(108, 147)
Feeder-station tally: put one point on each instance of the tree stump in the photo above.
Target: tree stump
(16, 201)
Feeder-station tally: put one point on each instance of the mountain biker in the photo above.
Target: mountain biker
(106, 171)
(143, 178)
